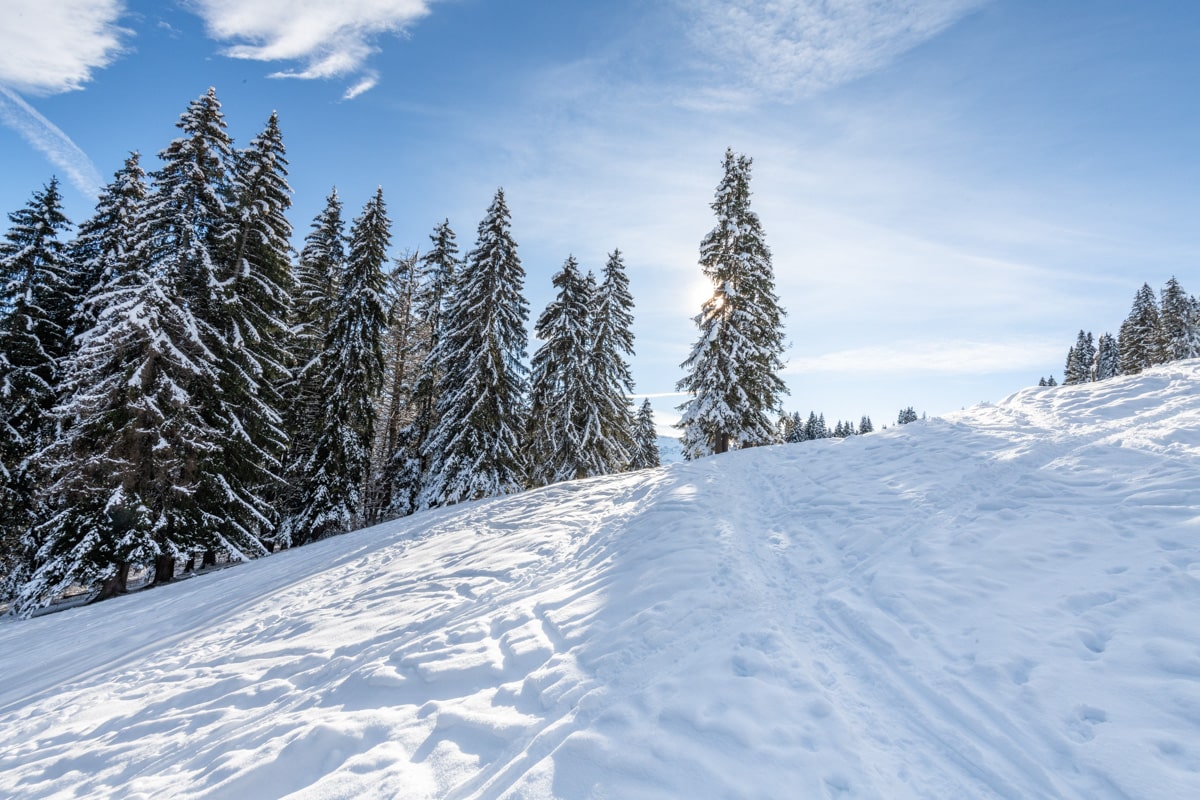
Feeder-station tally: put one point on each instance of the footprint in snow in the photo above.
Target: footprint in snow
(1081, 726)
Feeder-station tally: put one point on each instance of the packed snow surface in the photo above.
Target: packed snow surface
(1001, 603)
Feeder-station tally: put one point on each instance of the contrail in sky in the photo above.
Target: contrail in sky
(50, 140)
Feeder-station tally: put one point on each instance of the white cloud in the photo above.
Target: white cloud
(329, 39)
(50, 46)
(365, 85)
(941, 357)
(52, 142)
(795, 48)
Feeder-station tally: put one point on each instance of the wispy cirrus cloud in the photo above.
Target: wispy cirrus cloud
(327, 39)
(789, 49)
(46, 137)
(51, 47)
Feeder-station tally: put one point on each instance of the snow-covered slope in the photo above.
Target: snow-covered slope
(1002, 603)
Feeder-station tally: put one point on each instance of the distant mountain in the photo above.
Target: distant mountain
(998, 603)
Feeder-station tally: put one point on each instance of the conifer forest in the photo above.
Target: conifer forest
(186, 380)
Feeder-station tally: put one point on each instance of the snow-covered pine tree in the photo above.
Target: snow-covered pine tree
(1041, 381)
(814, 427)
(36, 309)
(796, 431)
(352, 366)
(439, 269)
(561, 417)
(101, 246)
(1051, 382)
(475, 450)
(1071, 367)
(256, 275)
(612, 380)
(313, 307)
(1108, 364)
(645, 438)
(1180, 323)
(1140, 337)
(133, 442)
(865, 425)
(185, 221)
(733, 369)
(906, 416)
(1081, 360)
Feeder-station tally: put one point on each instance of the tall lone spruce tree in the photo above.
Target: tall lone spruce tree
(733, 369)
(352, 367)
(475, 450)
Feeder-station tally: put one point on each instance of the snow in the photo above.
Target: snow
(999, 603)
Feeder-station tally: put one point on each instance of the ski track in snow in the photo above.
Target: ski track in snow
(998, 603)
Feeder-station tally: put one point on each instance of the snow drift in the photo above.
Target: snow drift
(999, 603)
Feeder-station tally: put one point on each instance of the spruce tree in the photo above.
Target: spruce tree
(186, 222)
(814, 427)
(645, 438)
(733, 367)
(1141, 338)
(561, 418)
(475, 450)
(796, 430)
(611, 379)
(352, 368)
(865, 425)
(313, 308)
(1108, 363)
(36, 309)
(1081, 360)
(1071, 367)
(1180, 323)
(906, 416)
(133, 446)
(253, 339)
(104, 241)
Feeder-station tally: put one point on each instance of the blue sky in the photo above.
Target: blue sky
(950, 188)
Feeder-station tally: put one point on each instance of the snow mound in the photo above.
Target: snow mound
(1000, 603)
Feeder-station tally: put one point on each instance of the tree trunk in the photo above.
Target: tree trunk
(722, 444)
(164, 570)
(115, 584)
